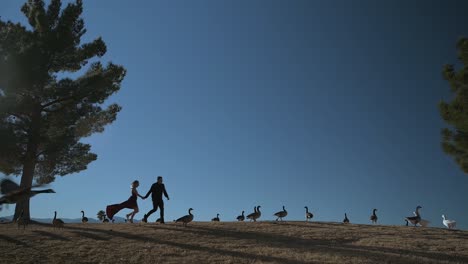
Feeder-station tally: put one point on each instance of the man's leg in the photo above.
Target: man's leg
(155, 208)
(161, 212)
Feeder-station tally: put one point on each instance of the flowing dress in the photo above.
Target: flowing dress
(131, 203)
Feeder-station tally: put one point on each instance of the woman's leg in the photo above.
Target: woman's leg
(135, 211)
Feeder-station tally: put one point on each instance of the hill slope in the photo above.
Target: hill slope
(228, 242)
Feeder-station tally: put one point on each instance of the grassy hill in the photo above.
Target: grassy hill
(231, 242)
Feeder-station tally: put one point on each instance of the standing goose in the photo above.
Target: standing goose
(216, 219)
(450, 224)
(21, 221)
(255, 215)
(308, 214)
(414, 219)
(56, 222)
(241, 217)
(374, 217)
(84, 219)
(346, 220)
(281, 214)
(250, 216)
(186, 218)
(258, 214)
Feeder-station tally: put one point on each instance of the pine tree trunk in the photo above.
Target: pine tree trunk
(29, 164)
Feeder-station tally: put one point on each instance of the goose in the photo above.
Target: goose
(216, 219)
(450, 224)
(345, 220)
(57, 223)
(84, 219)
(255, 215)
(308, 214)
(423, 222)
(416, 218)
(281, 214)
(186, 218)
(374, 217)
(13, 193)
(21, 221)
(241, 217)
(250, 216)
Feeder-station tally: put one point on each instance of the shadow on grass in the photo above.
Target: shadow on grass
(186, 246)
(51, 235)
(342, 247)
(300, 245)
(90, 235)
(13, 240)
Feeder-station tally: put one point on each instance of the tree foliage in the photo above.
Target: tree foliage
(43, 115)
(101, 215)
(455, 113)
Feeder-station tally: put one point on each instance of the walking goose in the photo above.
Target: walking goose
(374, 217)
(57, 223)
(415, 219)
(241, 217)
(84, 219)
(345, 220)
(13, 193)
(281, 214)
(450, 224)
(308, 214)
(216, 219)
(254, 216)
(186, 218)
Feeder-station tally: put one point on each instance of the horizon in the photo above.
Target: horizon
(325, 104)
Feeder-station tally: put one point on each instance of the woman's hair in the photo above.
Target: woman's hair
(135, 182)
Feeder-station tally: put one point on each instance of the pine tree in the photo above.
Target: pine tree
(43, 113)
(455, 113)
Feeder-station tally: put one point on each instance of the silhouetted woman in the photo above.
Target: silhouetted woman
(131, 203)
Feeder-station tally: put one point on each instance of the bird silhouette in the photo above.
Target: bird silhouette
(13, 193)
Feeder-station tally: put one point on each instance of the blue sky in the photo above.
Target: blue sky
(330, 104)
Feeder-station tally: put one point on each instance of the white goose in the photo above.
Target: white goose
(450, 224)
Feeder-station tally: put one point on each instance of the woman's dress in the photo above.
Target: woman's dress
(131, 203)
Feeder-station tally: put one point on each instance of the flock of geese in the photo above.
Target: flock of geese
(13, 193)
(416, 219)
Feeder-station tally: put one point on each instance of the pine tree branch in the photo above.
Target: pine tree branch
(61, 100)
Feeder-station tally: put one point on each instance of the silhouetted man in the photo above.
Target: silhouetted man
(157, 190)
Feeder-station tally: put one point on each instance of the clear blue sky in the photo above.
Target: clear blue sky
(330, 104)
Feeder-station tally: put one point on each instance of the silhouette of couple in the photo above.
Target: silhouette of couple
(157, 190)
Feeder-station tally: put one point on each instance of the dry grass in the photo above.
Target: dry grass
(231, 242)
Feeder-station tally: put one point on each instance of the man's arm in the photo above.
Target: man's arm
(149, 192)
(165, 193)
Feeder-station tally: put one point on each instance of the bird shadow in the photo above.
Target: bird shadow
(51, 235)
